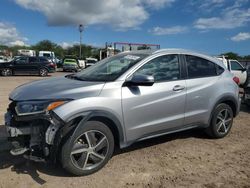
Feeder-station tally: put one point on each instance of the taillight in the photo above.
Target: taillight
(236, 80)
(52, 64)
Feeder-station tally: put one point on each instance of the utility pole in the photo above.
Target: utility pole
(80, 30)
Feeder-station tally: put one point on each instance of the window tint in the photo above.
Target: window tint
(163, 68)
(199, 67)
(32, 59)
(21, 60)
(235, 65)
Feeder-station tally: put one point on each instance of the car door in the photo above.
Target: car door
(152, 110)
(33, 65)
(203, 84)
(20, 65)
(238, 70)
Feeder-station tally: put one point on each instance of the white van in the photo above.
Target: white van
(25, 52)
(48, 54)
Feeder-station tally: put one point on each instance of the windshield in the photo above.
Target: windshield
(111, 68)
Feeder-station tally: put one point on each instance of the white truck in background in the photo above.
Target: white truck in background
(237, 69)
(25, 52)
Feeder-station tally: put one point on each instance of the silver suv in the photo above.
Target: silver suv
(78, 119)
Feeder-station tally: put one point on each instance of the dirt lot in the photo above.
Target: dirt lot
(187, 159)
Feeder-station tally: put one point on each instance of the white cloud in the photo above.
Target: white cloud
(241, 37)
(10, 36)
(120, 14)
(168, 30)
(66, 45)
(228, 20)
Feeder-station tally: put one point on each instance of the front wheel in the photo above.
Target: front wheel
(88, 150)
(6, 72)
(221, 122)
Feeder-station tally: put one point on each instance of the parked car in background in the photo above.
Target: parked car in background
(70, 64)
(80, 118)
(237, 69)
(27, 65)
(90, 61)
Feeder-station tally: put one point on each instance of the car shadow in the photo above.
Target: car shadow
(20, 165)
(194, 133)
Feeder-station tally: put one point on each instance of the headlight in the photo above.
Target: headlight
(36, 107)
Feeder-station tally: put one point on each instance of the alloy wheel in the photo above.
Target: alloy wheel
(89, 150)
(43, 72)
(223, 121)
(6, 72)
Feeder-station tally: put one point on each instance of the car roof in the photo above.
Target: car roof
(176, 51)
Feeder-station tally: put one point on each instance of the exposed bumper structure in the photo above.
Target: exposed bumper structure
(33, 135)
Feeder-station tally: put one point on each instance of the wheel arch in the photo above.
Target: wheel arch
(229, 100)
(108, 119)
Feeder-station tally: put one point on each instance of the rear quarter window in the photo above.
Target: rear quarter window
(198, 67)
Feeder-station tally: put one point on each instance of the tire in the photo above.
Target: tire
(221, 122)
(78, 158)
(6, 72)
(43, 72)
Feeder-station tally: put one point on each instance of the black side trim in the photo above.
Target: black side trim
(78, 120)
(98, 113)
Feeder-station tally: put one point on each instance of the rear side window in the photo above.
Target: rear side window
(235, 65)
(198, 67)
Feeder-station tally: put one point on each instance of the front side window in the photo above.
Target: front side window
(111, 68)
(163, 68)
(21, 60)
(235, 65)
(199, 67)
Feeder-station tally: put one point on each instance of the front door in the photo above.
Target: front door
(152, 110)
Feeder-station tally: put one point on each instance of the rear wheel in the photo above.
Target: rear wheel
(88, 150)
(222, 121)
(43, 72)
(6, 72)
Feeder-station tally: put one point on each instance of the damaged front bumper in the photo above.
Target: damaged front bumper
(37, 137)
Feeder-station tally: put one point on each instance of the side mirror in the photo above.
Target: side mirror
(140, 80)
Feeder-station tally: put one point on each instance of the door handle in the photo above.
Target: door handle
(178, 88)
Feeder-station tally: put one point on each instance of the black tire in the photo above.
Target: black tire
(221, 123)
(6, 72)
(74, 162)
(43, 72)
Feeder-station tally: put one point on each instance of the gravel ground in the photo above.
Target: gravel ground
(187, 159)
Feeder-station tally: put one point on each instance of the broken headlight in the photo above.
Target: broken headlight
(36, 107)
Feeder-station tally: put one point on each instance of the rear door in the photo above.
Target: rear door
(203, 85)
(33, 65)
(152, 110)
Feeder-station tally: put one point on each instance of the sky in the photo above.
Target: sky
(209, 26)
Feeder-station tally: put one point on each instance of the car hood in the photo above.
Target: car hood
(56, 88)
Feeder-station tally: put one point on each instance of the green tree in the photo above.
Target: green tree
(231, 55)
